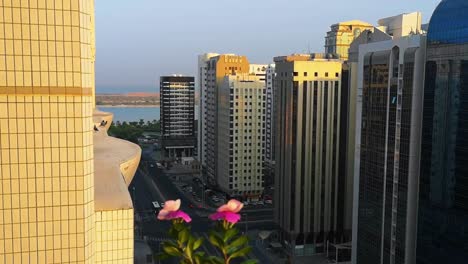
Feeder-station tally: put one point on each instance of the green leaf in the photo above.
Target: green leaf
(162, 256)
(240, 241)
(241, 253)
(215, 240)
(230, 234)
(250, 261)
(173, 251)
(184, 235)
(215, 260)
(197, 243)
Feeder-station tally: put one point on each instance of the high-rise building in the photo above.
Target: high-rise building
(64, 198)
(308, 188)
(241, 118)
(216, 68)
(443, 190)
(202, 78)
(387, 80)
(342, 34)
(177, 96)
(269, 163)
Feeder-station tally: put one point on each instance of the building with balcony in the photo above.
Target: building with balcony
(241, 118)
(178, 135)
(309, 190)
(64, 181)
(387, 80)
(215, 69)
(443, 189)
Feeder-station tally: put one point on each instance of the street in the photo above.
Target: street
(152, 184)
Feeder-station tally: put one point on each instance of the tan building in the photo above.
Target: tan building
(217, 68)
(64, 198)
(309, 182)
(342, 35)
(241, 120)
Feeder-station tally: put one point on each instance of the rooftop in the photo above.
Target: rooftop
(115, 163)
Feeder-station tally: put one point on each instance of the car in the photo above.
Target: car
(151, 165)
(156, 205)
(197, 199)
(253, 202)
(260, 203)
(268, 201)
(245, 203)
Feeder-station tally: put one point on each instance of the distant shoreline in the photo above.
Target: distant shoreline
(129, 106)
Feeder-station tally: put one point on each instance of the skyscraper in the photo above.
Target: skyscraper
(241, 119)
(63, 198)
(177, 95)
(389, 78)
(308, 188)
(202, 88)
(217, 67)
(269, 167)
(342, 34)
(443, 191)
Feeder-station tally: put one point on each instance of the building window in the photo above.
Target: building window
(316, 74)
(295, 74)
(305, 74)
(326, 74)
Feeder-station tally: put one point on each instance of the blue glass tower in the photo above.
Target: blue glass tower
(443, 192)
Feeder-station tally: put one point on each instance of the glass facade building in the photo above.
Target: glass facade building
(443, 193)
(388, 108)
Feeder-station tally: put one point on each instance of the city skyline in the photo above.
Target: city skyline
(154, 55)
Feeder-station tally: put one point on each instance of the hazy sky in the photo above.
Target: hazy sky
(139, 40)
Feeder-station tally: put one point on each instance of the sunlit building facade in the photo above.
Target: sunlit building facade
(216, 68)
(309, 194)
(342, 34)
(63, 199)
(443, 191)
(241, 119)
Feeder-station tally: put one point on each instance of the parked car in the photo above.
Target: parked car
(260, 203)
(245, 203)
(269, 201)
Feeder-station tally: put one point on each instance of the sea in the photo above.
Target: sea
(130, 114)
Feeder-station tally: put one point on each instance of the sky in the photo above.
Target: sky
(139, 40)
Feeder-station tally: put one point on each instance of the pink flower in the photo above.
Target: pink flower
(228, 216)
(171, 211)
(228, 212)
(232, 206)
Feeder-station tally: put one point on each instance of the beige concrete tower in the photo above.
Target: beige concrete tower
(308, 184)
(47, 157)
(342, 34)
(241, 120)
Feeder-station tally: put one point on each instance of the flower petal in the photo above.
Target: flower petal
(162, 215)
(232, 217)
(233, 205)
(228, 216)
(217, 216)
(183, 215)
(171, 205)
